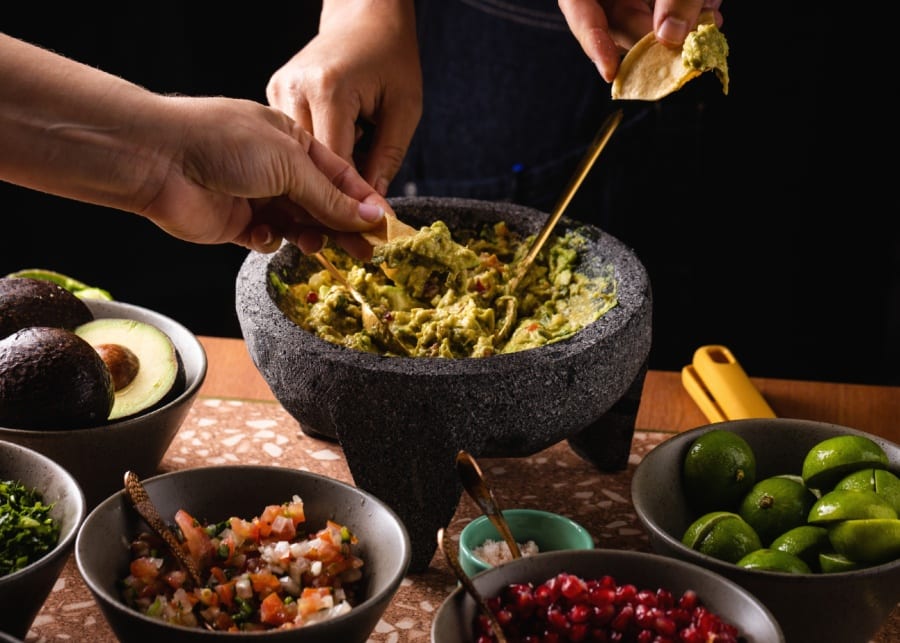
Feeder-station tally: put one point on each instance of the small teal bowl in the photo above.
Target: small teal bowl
(549, 531)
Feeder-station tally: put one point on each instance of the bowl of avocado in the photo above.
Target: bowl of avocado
(101, 386)
(402, 419)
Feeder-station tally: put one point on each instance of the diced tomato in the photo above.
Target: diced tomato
(272, 611)
(145, 569)
(225, 592)
(264, 583)
(176, 578)
(312, 599)
(283, 528)
(198, 543)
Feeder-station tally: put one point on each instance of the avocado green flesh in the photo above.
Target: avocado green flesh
(157, 372)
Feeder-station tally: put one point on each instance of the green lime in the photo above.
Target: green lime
(849, 504)
(834, 458)
(718, 470)
(774, 560)
(806, 542)
(723, 535)
(775, 505)
(881, 481)
(870, 542)
(832, 562)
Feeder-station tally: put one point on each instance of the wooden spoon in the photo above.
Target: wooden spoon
(452, 559)
(474, 484)
(147, 510)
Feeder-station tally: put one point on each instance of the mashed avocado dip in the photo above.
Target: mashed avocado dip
(705, 48)
(445, 298)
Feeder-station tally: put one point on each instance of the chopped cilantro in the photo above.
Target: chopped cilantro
(27, 532)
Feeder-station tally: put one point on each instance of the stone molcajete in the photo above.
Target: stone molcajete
(401, 421)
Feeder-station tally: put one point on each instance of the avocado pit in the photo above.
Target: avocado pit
(122, 363)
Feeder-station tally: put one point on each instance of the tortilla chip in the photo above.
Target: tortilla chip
(650, 70)
(391, 228)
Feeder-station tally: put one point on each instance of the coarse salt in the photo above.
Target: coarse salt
(495, 552)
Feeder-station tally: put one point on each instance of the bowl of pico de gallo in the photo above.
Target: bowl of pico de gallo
(281, 554)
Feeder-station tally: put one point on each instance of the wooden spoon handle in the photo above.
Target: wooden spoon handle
(147, 510)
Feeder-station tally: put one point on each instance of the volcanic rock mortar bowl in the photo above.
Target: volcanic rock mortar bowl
(401, 421)
(99, 456)
(848, 606)
(22, 592)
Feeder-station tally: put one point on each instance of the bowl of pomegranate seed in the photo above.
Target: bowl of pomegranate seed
(605, 595)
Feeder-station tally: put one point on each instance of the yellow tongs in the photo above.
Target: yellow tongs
(721, 388)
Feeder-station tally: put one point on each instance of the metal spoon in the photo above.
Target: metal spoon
(147, 510)
(371, 321)
(600, 139)
(451, 556)
(474, 484)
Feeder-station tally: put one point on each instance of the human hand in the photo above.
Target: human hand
(606, 28)
(362, 66)
(239, 172)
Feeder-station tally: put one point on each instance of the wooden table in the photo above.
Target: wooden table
(665, 406)
(236, 419)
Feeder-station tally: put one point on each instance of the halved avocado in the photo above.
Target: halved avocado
(28, 302)
(50, 378)
(142, 359)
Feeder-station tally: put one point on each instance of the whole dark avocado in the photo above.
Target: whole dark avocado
(28, 302)
(52, 379)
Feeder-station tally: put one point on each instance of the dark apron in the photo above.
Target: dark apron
(511, 103)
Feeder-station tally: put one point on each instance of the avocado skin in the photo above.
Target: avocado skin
(52, 379)
(26, 302)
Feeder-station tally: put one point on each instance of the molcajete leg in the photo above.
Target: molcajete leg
(416, 478)
(607, 442)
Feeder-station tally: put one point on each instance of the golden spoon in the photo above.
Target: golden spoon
(451, 556)
(371, 321)
(474, 484)
(600, 139)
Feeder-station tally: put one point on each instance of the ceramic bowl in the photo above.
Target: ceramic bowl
(549, 531)
(23, 592)
(102, 553)
(453, 620)
(847, 606)
(401, 421)
(99, 456)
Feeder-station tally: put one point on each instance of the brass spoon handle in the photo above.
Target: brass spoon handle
(600, 139)
(446, 548)
(474, 484)
(370, 318)
(147, 510)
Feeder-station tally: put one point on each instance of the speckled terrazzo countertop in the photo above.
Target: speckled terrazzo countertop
(220, 431)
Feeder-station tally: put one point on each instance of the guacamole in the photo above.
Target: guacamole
(705, 48)
(446, 298)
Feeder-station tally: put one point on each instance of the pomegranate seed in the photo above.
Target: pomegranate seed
(569, 609)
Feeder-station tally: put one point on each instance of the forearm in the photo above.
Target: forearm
(73, 130)
(372, 12)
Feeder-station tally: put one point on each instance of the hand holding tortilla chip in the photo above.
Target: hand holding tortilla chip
(651, 70)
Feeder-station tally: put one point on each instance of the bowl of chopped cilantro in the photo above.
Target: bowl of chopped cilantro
(41, 509)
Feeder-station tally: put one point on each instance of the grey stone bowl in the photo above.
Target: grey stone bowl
(401, 421)
(23, 592)
(99, 456)
(453, 620)
(214, 493)
(847, 606)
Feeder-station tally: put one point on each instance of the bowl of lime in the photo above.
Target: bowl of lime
(803, 514)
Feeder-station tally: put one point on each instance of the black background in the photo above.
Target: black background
(783, 248)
